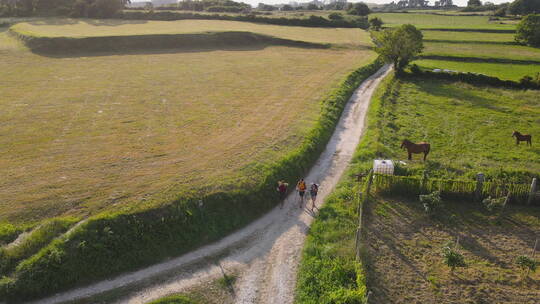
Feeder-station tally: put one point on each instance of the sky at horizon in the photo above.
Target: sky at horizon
(255, 2)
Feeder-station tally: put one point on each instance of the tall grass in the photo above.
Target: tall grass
(110, 243)
(8, 233)
(33, 242)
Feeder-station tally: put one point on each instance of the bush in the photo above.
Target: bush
(375, 23)
(452, 258)
(528, 31)
(494, 204)
(526, 264)
(335, 16)
(8, 233)
(431, 202)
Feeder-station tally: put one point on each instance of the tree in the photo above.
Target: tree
(528, 30)
(287, 7)
(524, 7)
(474, 3)
(375, 23)
(359, 9)
(398, 46)
(312, 7)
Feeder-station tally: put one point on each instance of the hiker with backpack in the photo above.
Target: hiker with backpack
(301, 188)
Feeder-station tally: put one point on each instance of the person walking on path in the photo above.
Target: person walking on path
(313, 191)
(301, 188)
(282, 190)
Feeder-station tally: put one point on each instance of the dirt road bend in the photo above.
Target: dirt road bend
(265, 254)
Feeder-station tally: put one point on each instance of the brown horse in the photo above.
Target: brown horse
(422, 147)
(522, 137)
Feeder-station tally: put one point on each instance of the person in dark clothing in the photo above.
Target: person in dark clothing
(313, 191)
(282, 190)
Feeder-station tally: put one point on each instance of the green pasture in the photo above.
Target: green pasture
(432, 21)
(468, 37)
(469, 128)
(77, 28)
(503, 53)
(503, 71)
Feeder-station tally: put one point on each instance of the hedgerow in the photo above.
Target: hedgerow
(110, 243)
(31, 243)
(312, 21)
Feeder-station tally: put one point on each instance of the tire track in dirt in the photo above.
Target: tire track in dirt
(265, 254)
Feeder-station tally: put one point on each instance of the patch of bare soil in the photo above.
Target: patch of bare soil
(404, 253)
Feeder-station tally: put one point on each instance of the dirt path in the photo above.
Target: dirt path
(265, 254)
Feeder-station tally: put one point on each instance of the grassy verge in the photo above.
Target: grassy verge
(38, 238)
(175, 299)
(8, 233)
(113, 242)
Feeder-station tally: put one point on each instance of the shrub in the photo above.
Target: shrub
(415, 69)
(526, 264)
(431, 202)
(8, 233)
(494, 204)
(452, 258)
(528, 31)
(335, 16)
(375, 23)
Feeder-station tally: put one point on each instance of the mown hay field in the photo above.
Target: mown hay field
(81, 134)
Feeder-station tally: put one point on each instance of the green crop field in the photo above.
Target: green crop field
(115, 131)
(467, 45)
(432, 21)
(503, 71)
(95, 28)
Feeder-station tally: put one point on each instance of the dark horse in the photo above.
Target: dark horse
(520, 137)
(422, 147)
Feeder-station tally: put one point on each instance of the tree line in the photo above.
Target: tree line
(72, 8)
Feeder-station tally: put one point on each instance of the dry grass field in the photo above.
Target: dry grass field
(406, 264)
(84, 134)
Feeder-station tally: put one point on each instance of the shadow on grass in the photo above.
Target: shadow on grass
(459, 94)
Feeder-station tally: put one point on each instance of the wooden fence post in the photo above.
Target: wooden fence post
(479, 185)
(532, 193)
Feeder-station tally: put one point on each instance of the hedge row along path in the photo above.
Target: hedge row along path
(266, 253)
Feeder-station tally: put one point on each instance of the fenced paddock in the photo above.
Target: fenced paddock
(453, 189)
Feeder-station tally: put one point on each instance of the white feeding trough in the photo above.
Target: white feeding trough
(383, 166)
